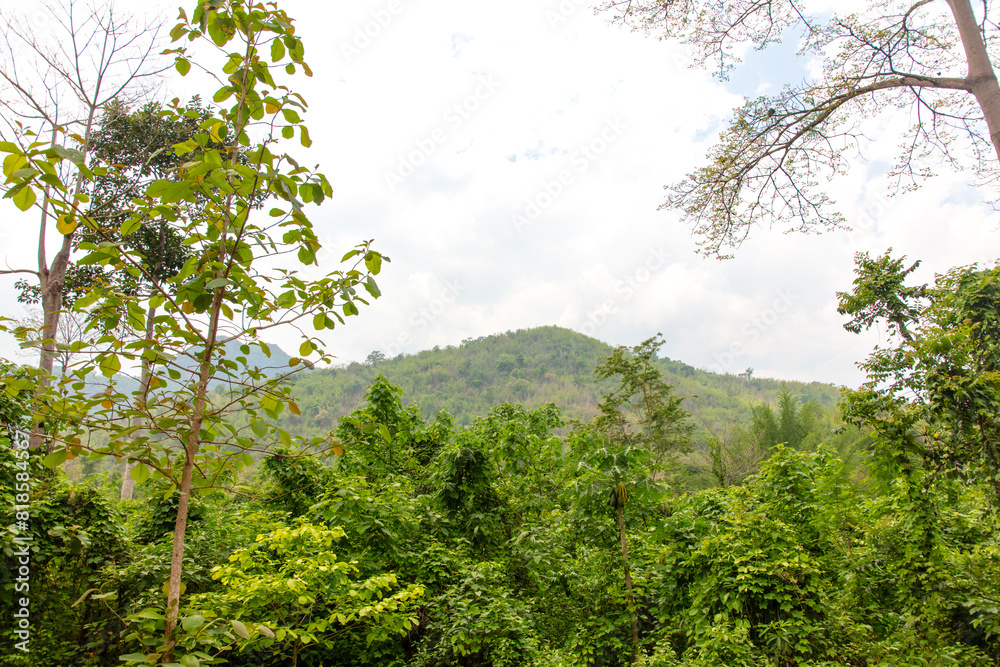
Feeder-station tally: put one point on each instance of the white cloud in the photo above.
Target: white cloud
(461, 267)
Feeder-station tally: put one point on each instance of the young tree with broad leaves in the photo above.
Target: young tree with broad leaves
(174, 428)
(933, 393)
(934, 57)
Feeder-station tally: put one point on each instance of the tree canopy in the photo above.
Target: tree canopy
(769, 165)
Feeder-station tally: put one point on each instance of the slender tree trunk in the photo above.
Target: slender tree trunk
(51, 281)
(51, 286)
(127, 482)
(628, 585)
(981, 77)
(177, 550)
(184, 491)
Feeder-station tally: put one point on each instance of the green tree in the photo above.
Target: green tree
(53, 110)
(642, 411)
(615, 473)
(176, 429)
(386, 439)
(933, 394)
(934, 57)
(644, 426)
(735, 453)
(292, 582)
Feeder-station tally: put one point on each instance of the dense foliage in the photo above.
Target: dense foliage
(668, 517)
(502, 543)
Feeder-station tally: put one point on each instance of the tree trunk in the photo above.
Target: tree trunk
(184, 491)
(177, 550)
(981, 77)
(628, 585)
(52, 280)
(127, 482)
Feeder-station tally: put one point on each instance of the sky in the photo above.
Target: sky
(511, 162)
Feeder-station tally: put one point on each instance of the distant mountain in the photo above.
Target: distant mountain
(274, 365)
(529, 366)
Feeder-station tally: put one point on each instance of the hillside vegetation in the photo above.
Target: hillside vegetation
(532, 367)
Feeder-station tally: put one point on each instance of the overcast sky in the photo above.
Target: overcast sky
(511, 165)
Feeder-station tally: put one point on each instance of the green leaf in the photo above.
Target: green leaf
(277, 50)
(131, 225)
(258, 427)
(304, 136)
(288, 131)
(71, 154)
(110, 365)
(139, 472)
(54, 459)
(133, 657)
(373, 262)
(216, 283)
(24, 197)
(268, 403)
(193, 622)
(66, 224)
(182, 65)
(306, 348)
(240, 629)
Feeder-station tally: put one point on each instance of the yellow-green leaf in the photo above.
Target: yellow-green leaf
(110, 365)
(139, 472)
(24, 198)
(66, 224)
(277, 50)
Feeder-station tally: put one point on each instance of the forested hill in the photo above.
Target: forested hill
(533, 367)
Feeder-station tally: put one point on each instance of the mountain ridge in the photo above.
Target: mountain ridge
(530, 366)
